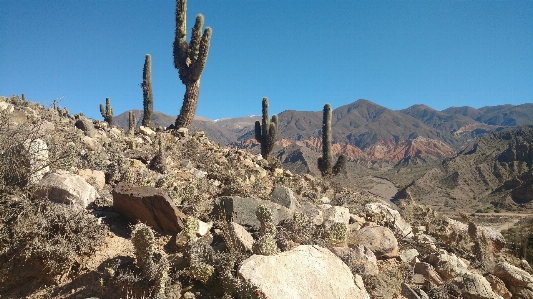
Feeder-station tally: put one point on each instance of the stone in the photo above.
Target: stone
(146, 131)
(86, 126)
(7, 107)
(336, 214)
(199, 173)
(407, 256)
(148, 205)
(518, 281)
(447, 264)
(94, 177)
(203, 228)
(312, 212)
(241, 210)
(428, 272)
(358, 257)
(309, 272)
(283, 196)
(35, 159)
(64, 187)
(498, 286)
(379, 239)
(240, 239)
(413, 293)
(91, 143)
(377, 210)
(475, 286)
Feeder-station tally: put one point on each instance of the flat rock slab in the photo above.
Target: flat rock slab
(309, 272)
(241, 210)
(148, 205)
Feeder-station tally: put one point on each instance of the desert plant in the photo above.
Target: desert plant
(190, 60)
(148, 100)
(325, 163)
(131, 123)
(107, 113)
(266, 244)
(267, 132)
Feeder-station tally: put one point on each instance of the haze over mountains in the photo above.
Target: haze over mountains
(365, 130)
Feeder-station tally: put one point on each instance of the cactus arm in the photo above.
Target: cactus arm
(194, 44)
(199, 63)
(180, 44)
(258, 135)
(102, 110)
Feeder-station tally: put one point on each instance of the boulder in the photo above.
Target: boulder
(240, 239)
(86, 126)
(498, 286)
(358, 257)
(93, 177)
(379, 239)
(408, 255)
(381, 213)
(7, 107)
(283, 196)
(447, 264)
(146, 131)
(313, 212)
(475, 286)
(518, 281)
(309, 272)
(336, 214)
(148, 205)
(64, 187)
(241, 210)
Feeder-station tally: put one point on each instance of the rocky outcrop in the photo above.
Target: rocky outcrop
(447, 264)
(518, 281)
(148, 205)
(309, 272)
(381, 213)
(379, 239)
(475, 286)
(67, 188)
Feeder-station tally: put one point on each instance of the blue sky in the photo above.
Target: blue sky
(299, 54)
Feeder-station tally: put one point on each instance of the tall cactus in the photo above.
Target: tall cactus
(131, 123)
(190, 60)
(266, 133)
(148, 100)
(107, 113)
(325, 163)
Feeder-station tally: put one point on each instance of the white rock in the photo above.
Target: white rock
(336, 214)
(68, 188)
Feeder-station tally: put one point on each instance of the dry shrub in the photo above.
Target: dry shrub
(44, 241)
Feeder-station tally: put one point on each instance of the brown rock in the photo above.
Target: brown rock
(498, 286)
(379, 239)
(148, 205)
(428, 272)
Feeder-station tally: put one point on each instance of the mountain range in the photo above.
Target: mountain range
(367, 131)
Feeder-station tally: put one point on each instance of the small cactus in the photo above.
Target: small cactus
(337, 234)
(146, 85)
(143, 241)
(190, 61)
(107, 113)
(191, 226)
(267, 132)
(325, 163)
(131, 123)
(266, 244)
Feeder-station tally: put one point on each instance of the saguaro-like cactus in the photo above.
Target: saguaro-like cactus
(107, 113)
(325, 163)
(131, 123)
(190, 60)
(267, 132)
(148, 100)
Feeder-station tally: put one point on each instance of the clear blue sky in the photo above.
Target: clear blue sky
(299, 54)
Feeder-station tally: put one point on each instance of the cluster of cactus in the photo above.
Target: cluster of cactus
(107, 112)
(336, 235)
(131, 123)
(266, 132)
(190, 61)
(325, 163)
(144, 245)
(146, 85)
(266, 244)
(198, 269)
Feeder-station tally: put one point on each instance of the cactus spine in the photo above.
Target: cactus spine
(107, 113)
(190, 60)
(325, 163)
(267, 132)
(148, 100)
(131, 123)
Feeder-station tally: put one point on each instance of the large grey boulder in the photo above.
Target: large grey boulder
(309, 272)
(475, 286)
(381, 213)
(148, 205)
(64, 187)
(379, 239)
(284, 196)
(518, 281)
(241, 210)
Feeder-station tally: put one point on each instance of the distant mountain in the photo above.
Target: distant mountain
(495, 170)
(366, 131)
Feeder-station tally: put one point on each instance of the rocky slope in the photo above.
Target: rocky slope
(496, 170)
